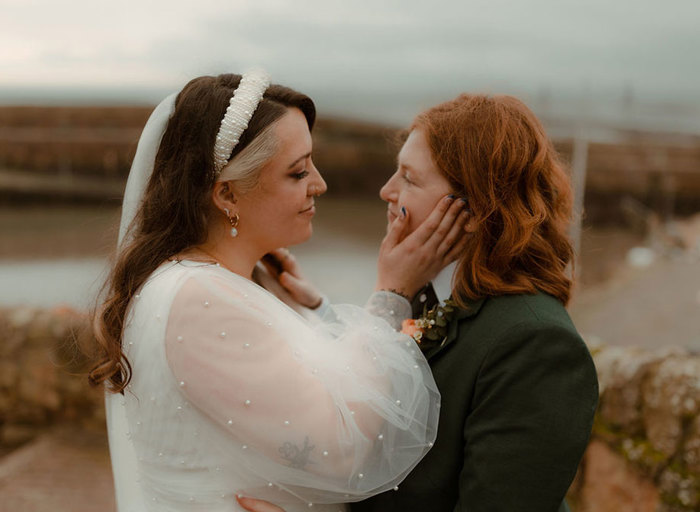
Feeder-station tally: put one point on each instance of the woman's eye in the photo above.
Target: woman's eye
(300, 175)
(406, 178)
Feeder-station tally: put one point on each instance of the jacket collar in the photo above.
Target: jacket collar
(472, 309)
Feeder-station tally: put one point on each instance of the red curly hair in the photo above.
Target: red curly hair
(496, 154)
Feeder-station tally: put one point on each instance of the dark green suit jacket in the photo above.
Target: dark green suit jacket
(519, 391)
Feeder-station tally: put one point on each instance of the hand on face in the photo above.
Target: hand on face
(408, 260)
(417, 184)
(432, 234)
(283, 266)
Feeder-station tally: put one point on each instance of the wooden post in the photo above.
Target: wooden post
(579, 166)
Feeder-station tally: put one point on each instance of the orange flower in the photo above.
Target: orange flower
(410, 327)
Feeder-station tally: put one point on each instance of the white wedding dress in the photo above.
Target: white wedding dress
(234, 391)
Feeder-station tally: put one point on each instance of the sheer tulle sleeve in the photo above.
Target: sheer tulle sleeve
(390, 306)
(331, 412)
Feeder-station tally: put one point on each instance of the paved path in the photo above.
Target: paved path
(62, 471)
(653, 307)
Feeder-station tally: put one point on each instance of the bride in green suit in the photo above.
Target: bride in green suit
(518, 385)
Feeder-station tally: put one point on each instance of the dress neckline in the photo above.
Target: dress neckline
(215, 265)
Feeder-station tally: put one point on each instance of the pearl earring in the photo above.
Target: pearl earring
(234, 222)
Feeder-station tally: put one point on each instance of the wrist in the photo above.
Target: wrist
(400, 293)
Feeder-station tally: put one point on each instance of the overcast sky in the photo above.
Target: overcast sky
(362, 57)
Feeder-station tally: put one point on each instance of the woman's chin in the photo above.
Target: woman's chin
(300, 236)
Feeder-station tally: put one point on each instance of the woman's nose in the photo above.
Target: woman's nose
(318, 184)
(388, 192)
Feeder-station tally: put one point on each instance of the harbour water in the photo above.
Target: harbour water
(49, 283)
(343, 272)
(52, 257)
(340, 258)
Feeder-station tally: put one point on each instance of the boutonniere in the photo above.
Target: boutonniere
(431, 328)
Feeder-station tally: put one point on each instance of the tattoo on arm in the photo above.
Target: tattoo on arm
(397, 293)
(297, 457)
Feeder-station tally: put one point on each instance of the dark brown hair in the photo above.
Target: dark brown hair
(496, 154)
(174, 213)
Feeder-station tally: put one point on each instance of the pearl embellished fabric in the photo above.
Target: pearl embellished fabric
(390, 306)
(234, 392)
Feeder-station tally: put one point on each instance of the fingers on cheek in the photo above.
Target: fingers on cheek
(455, 208)
(284, 279)
(432, 227)
(289, 262)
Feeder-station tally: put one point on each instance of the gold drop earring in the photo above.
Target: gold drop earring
(234, 222)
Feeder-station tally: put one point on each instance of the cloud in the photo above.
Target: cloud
(362, 53)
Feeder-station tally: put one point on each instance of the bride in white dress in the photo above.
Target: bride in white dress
(219, 381)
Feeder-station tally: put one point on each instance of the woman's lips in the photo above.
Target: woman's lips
(390, 216)
(309, 211)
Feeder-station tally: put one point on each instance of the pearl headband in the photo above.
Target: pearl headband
(240, 110)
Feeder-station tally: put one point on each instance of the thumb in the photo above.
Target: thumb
(302, 291)
(288, 280)
(397, 229)
(254, 505)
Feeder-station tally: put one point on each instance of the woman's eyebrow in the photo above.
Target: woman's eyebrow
(407, 167)
(303, 157)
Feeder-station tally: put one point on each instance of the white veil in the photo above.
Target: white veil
(122, 453)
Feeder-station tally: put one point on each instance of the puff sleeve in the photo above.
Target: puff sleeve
(331, 412)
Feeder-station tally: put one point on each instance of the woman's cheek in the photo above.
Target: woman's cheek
(416, 218)
(421, 213)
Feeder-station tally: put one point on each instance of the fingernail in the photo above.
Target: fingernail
(451, 196)
(403, 212)
(463, 200)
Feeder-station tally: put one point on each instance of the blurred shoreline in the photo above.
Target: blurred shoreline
(52, 256)
(82, 154)
(63, 170)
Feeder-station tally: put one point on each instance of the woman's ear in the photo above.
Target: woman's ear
(223, 196)
(471, 224)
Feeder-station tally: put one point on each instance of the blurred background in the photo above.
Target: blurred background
(616, 84)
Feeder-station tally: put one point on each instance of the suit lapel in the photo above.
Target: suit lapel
(471, 311)
(424, 300)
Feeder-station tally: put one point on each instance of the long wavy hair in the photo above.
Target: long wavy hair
(496, 154)
(177, 207)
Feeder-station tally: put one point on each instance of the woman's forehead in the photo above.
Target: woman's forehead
(292, 129)
(415, 153)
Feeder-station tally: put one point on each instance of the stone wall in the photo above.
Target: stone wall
(644, 454)
(42, 379)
